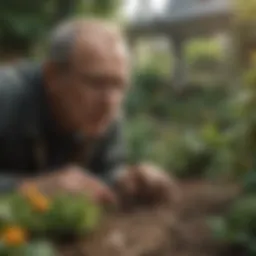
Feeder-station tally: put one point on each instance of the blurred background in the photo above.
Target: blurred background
(191, 106)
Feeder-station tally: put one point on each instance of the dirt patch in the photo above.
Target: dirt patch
(181, 231)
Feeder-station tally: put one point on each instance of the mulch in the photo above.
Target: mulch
(180, 230)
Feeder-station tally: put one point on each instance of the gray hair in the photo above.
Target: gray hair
(61, 43)
(63, 37)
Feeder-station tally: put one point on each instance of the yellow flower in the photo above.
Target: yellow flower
(38, 201)
(14, 236)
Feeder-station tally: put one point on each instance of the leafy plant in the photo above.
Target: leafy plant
(25, 23)
(31, 222)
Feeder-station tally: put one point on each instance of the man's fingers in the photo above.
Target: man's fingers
(72, 181)
(128, 182)
(108, 199)
(155, 186)
(102, 196)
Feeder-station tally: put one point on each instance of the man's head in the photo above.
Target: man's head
(86, 75)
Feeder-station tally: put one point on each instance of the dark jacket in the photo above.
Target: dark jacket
(29, 142)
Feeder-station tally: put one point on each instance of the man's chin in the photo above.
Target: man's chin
(95, 131)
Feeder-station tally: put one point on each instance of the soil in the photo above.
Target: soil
(181, 230)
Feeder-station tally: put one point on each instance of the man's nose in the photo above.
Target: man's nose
(109, 98)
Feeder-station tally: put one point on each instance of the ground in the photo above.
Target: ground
(179, 231)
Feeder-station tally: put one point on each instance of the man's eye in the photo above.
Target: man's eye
(96, 82)
(120, 86)
(88, 80)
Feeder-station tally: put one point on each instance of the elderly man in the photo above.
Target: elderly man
(60, 121)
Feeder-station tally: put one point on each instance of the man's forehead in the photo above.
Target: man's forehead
(100, 44)
(100, 49)
(100, 58)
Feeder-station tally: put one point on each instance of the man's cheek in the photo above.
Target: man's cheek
(90, 104)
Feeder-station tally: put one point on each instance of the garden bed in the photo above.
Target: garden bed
(181, 231)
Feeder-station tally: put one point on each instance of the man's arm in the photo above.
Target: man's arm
(10, 84)
(110, 158)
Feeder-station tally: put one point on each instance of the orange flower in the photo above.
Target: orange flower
(37, 200)
(14, 236)
(40, 203)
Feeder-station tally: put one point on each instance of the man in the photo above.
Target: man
(60, 121)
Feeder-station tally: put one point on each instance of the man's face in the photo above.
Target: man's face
(91, 92)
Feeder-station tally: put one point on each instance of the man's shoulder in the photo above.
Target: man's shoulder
(13, 78)
(15, 92)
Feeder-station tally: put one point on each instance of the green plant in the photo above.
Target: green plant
(32, 222)
(25, 23)
(238, 227)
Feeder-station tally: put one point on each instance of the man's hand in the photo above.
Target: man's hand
(146, 184)
(74, 180)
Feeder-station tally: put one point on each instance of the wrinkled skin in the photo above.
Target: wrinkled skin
(73, 180)
(146, 184)
(85, 96)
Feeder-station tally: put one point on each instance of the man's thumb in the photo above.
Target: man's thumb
(106, 198)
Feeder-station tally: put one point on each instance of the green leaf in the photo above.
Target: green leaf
(93, 215)
(40, 248)
(218, 227)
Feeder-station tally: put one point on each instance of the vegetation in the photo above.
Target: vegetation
(32, 222)
(209, 131)
(25, 23)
